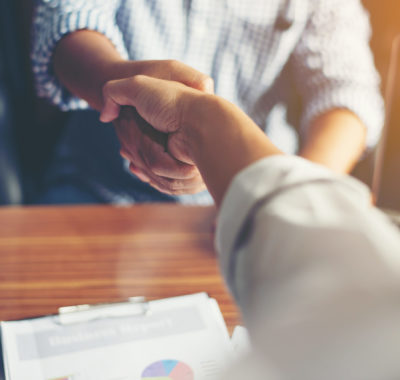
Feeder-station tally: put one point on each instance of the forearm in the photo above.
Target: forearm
(311, 266)
(84, 61)
(223, 140)
(336, 140)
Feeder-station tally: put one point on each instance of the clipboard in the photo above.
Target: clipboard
(182, 338)
(84, 313)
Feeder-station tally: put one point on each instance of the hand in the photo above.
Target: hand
(171, 70)
(204, 129)
(145, 148)
(160, 112)
(85, 60)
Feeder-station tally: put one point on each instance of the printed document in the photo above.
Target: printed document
(181, 338)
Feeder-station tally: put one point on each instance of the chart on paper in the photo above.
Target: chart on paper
(168, 370)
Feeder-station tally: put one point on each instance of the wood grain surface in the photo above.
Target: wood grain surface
(60, 256)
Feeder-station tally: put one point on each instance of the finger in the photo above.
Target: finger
(156, 100)
(115, 94)
(133, 168)
(186, 183)
(131, 115)
(189, 185)
(208, 86)
(170, 185)
(178, 148)
(179, 187)
(154, 147)
(179, 72)
(171, 177)
(161, 163)
(110, 110)
(124, 154)
(149, 161)
(137, 166)
(138, 173)
(174, 70)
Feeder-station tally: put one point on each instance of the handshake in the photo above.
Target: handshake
(177, 135)
(151, 114)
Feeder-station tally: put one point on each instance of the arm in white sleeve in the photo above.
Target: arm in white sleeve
(53, 20)
(333, 66)
(315, 271)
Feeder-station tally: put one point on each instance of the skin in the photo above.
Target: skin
(84, 61)
(201, 127)
(336, 140)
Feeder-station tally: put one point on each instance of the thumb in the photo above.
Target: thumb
(116, 93)
(110, 110)
(156, 100)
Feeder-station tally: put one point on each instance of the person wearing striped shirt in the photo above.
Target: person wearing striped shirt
(301, 69)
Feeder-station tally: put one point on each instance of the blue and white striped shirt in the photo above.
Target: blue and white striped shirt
(284, 62)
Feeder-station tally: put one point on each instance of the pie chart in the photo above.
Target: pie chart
(168, 370)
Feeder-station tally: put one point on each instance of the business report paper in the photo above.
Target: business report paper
(181, 338)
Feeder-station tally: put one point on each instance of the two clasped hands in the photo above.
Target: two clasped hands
(192, 134)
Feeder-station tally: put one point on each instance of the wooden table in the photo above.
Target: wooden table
(59, 256)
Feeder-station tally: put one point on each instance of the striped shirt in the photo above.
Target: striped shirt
(284, 62)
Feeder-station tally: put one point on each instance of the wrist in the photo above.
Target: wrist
(83, 61)
(199, 121)
(216, 131)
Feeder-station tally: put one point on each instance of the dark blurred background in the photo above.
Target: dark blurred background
(29, 127)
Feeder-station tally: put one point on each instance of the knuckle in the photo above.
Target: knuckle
(205, 82)
(190, 171)
(170, 185)
(177, 187)
(106, 88)
(136, 80)
(173, 64)
(204, 77)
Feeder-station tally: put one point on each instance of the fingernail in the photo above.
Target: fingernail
(209, 85)
(124, 154)
(103, 117)
(143, 177)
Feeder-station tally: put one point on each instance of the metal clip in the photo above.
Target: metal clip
(85, 313)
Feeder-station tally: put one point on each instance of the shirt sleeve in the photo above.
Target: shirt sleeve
(315, 270)
(334, 67)
(53, 20)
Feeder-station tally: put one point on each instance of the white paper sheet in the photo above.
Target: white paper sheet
(182, 338)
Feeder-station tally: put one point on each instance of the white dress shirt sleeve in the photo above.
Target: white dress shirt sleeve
(315, 271)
